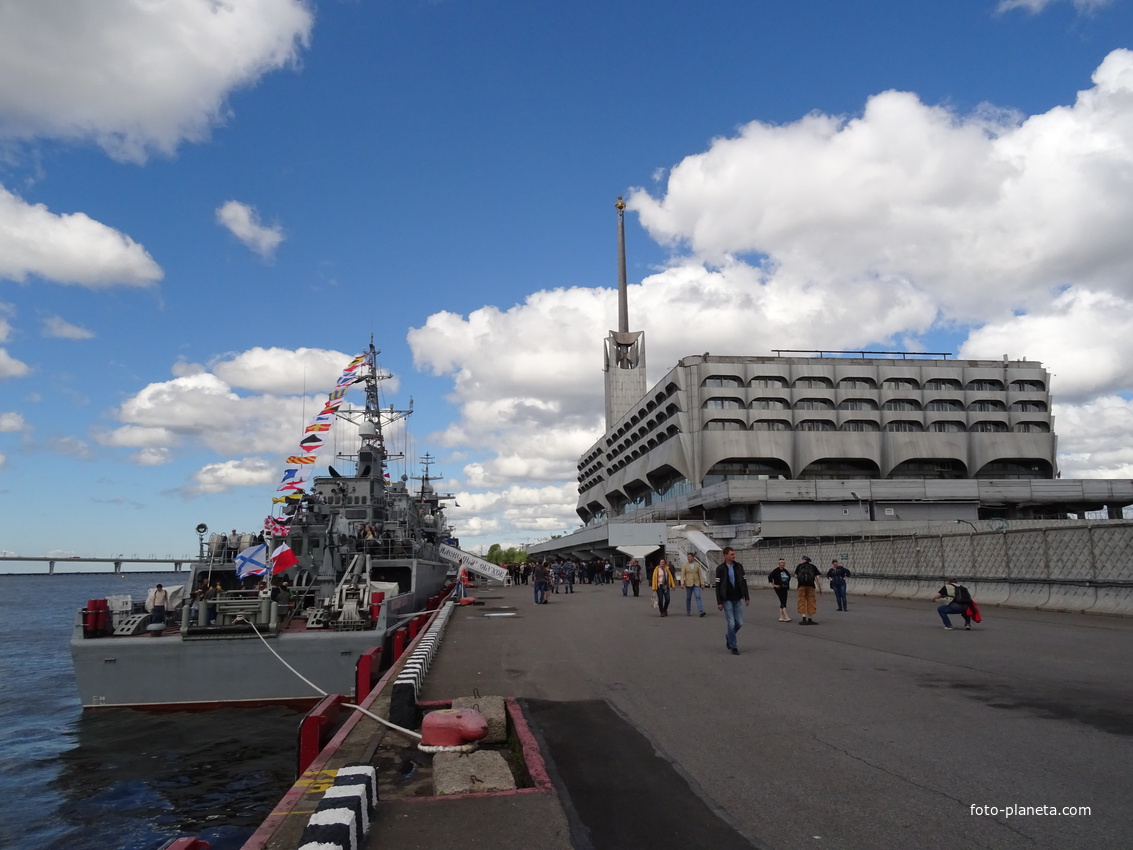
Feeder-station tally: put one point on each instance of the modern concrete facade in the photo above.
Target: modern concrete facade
(844, 437)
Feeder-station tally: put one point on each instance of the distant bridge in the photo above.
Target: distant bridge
(71, 564)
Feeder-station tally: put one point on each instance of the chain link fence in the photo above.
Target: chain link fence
(1072, 568)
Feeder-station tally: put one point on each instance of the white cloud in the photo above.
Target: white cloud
(218, 477)
(69, 248)
(137, 77)
(200, 407)
(58, 328)
(3, 459)
(282, 371)
(1036, 6)
(151, 457)
(70, 446)
(1084, 338)
(244, 223)
(10, 367)
(1093, 438)
(137, 436)
(833, 233)
(12, 422)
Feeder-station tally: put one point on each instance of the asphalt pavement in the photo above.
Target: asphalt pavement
(873, 728)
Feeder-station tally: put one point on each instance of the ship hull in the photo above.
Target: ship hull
(210, 670)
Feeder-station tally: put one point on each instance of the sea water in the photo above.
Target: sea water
(119, 779)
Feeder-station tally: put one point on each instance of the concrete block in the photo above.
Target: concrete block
(494, 711)
(475, 773)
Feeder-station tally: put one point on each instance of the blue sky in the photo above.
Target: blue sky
(207, 207)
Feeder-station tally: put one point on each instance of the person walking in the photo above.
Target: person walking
(780, 579)
(539, 578)
(661, 582)
(691, 579)
(731, 587)
(634, 569)
(807, 575)
(836, 575)
(627, 574)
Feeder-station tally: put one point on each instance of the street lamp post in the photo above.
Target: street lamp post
(861, 511)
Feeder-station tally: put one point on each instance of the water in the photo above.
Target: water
(119, 779)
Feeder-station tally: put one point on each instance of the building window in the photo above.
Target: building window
(1032, 428)
(900, 384)
(814, 404)
(942, 384)
(816, 425)
(722, 381)
(1028, 407)
(944, 404)
(725, 425)
(947, 427)
(901, 404)
(768, 381)
(1028, 386)
(813, 383)
(771, 425)
(723, 404)
(987, 405)
(984, 386)
(769, 404)
(857, 384)
(904, 425)
(860, 425)
(986, 427)
(858, 404)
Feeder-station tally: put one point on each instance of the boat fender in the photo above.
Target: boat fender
(452, 727)
(468, 600)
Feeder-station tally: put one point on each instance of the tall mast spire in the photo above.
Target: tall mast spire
(623, 298)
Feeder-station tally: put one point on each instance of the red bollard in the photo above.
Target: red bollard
(376, 600)
(414, 627)
(398, 643)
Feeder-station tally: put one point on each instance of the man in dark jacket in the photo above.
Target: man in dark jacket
(731, 587)
(807, 574)
(957, 600)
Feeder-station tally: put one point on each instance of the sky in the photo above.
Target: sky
(207, 207)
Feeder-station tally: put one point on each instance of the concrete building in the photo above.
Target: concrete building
(820, 443)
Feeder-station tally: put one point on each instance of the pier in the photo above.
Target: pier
(873, 728)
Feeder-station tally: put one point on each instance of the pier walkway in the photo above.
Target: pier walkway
(872, 728)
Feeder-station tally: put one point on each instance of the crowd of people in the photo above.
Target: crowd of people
(730, 583)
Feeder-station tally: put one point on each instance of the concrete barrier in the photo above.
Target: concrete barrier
(1113, 600)
(1028, 595)
(990, 592)
(904, 589)
(1068, 597)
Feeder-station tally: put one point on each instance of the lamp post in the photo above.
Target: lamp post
(974, 529)
(861, 511)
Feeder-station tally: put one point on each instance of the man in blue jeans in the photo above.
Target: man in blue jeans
(731, 587)
(539, 576)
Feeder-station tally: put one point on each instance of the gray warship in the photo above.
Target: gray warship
(360, 555)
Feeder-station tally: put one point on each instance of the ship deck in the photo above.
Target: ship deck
(874, 727)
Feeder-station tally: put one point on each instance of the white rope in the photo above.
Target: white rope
(394, 726)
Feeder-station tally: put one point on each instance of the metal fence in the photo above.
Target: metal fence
(1086, 567)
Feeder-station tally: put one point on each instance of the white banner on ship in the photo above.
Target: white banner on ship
(471, 562)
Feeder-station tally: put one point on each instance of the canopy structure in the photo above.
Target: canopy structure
(699, 541)
(638, 551)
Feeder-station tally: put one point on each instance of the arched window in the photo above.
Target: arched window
(857, 404)
(722, 381)
(723, 404)
(901, 404)
(769, 404)
(860, 425)
(814, 404)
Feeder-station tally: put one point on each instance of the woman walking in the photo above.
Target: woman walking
(662, 581)
(780, 579)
